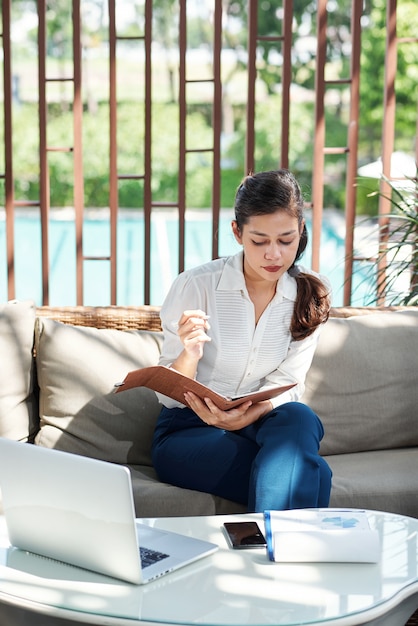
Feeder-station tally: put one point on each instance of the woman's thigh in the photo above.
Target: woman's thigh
(191, 454)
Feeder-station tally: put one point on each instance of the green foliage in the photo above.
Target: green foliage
(26, 152)
(230, 181)
(165, 143)
(373, 45)
(367, 198)
(394, 270)
(165, 122)
(301, 138)
(96, 155)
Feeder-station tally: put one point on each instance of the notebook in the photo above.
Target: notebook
(81, 511)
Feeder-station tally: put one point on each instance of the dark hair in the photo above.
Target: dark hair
(278, 190)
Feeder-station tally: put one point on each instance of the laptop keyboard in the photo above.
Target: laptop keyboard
(149, 557)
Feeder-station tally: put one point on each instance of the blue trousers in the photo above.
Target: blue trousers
(271, 464)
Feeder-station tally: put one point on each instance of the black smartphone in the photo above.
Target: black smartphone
(243, 535)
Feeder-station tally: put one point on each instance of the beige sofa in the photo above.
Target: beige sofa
(57, 381)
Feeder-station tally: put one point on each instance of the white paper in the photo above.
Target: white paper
(326, 535)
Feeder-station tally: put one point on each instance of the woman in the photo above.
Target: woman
(239, 324)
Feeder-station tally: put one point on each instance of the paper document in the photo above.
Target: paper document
(315, 535)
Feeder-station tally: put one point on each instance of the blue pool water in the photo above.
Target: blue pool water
(130, 243)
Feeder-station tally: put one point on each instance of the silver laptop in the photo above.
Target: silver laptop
(80, 511)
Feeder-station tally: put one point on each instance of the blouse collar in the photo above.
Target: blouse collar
(232, 279)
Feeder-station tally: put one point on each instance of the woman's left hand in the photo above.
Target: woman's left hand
(234, 419)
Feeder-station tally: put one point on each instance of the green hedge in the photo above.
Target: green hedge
(165, 143)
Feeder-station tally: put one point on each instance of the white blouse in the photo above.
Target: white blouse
(242, 356)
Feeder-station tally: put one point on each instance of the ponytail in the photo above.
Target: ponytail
(312, 304)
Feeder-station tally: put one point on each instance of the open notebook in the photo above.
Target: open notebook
(80, 511)
(171, 383)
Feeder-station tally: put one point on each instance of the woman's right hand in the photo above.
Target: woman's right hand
(191, 328)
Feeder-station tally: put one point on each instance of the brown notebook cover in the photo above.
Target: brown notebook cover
(173, 384)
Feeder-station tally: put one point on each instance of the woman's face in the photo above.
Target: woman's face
(270, 245)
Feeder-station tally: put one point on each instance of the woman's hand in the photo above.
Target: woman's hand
(234, 419)
(191, 328)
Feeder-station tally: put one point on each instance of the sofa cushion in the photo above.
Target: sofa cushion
(153, 498)
(363, 382)
(18, 405)
(384, 480)
(77, 369)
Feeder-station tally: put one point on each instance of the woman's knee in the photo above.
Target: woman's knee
(298, 417)
(311, 418)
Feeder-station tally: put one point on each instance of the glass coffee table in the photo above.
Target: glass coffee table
(228, 588)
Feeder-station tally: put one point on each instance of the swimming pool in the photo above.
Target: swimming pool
(130, 244)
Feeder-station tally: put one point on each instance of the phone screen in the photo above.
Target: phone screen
(244, 535)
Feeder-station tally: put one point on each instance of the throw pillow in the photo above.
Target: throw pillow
(363, 382)
(77, 369)
(18, 406)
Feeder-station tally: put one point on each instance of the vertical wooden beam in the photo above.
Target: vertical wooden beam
(78, 149)
(286, 81)
(217, 127)
(43, 154)
(353, 126)
(148, 151)
(113, 152)
(319, 139)
(8, 149)
(182, 131)
(251, 78)
(388, 137)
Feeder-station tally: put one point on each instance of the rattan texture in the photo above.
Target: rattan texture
(413, 620)
(145, 317)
